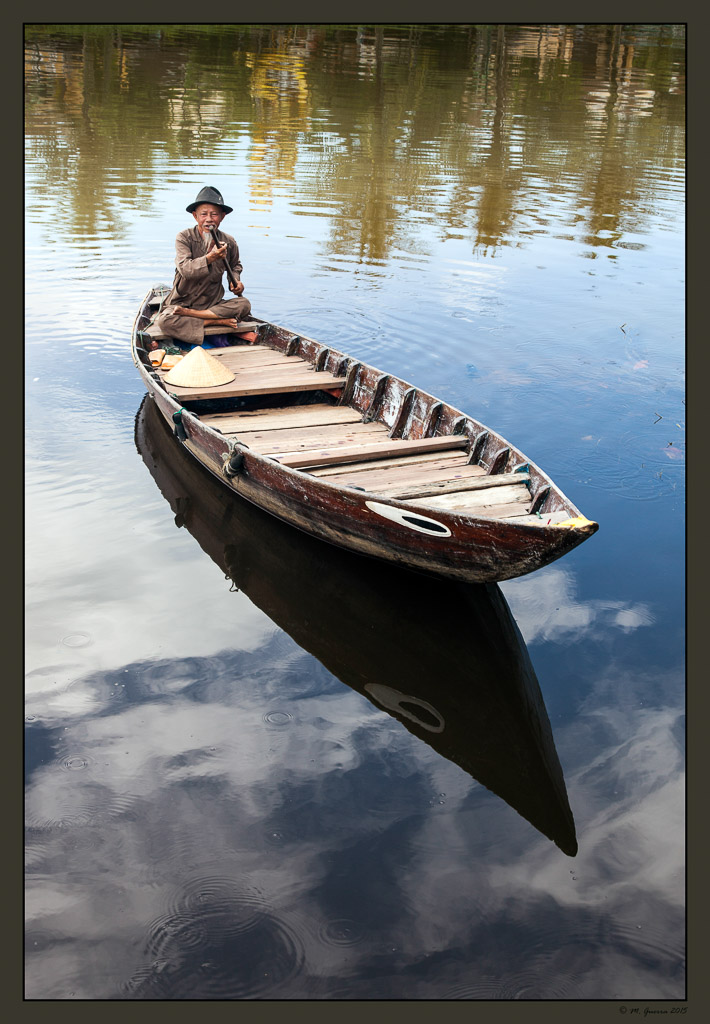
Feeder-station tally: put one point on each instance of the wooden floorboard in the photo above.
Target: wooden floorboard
(316, 415)
(449, 459)
(366, 452)
(499, 511)
(545, 518)
(245, 350)
(385, 481)
(248, 363)
(248, 369)
(475, 483)
(267, 373)
(244, 386)
(272, 360)
(248, 356)
(259, 370)
(504, 510)
(517, 493)
(499, 503)
(270, 442)
(242, 350)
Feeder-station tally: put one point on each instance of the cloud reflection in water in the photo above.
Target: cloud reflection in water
(254, 829)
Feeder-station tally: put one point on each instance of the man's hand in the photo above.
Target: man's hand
(237, 288)
(219, 252)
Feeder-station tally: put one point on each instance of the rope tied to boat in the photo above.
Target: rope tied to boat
(233, 460)
(179, 428)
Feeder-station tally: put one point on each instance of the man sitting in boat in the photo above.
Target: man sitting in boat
(196, 299)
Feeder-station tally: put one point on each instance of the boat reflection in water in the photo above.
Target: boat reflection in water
(446, 659)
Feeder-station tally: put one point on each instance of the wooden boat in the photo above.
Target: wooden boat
(362, 459)
(445, 659)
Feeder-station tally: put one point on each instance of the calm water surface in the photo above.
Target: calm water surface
(256, 768)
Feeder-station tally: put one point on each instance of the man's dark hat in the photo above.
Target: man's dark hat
(209, 195)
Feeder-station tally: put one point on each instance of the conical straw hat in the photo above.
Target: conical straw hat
(198, 369)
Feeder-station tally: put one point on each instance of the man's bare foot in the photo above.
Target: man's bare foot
(152, 344)
(223, 322)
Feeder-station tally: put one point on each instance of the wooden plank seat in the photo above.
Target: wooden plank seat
(369, 451)
(382, 474)
(245, 385)
(316, 415)
(395, 464)
(274, 442)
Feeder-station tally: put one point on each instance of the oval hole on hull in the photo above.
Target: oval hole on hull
(425, 524)
(412, 520)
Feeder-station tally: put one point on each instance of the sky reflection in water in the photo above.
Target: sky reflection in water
(496, 215)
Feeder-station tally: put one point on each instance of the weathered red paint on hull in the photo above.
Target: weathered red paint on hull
(479, 549)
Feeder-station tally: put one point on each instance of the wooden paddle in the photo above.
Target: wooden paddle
(230, 275)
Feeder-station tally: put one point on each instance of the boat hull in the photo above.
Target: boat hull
(441, 542)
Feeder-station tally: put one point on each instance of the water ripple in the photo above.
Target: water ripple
(341, 932)
(636, 468)
(74, 762)
(279, 836)
(218, 939)
(479, 988)
(76, 640)
(278, 718)
(71, 817)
